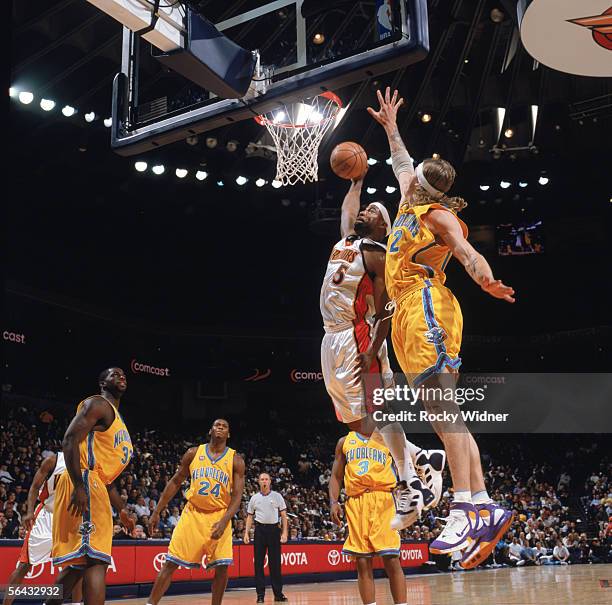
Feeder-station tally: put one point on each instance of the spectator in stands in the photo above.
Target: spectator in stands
(561, 554)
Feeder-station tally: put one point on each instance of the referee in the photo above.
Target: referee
(266, 506)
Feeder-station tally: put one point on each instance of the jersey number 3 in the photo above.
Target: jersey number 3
(204, 485)
(363, 467)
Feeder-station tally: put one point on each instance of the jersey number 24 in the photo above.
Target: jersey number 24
(204, 485)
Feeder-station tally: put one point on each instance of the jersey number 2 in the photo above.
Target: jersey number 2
(204, 485)
(397, 236)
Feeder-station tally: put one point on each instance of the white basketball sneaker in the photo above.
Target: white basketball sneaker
(429, 465)
(410, 500)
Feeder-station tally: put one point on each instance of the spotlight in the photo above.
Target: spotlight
(389, 161)
(12, 92)
(231, 146)
(158, 169)
(108, 122)
(497, 16)
(47, 104)
(192, 140)
(504, 184)
(140, 166)
(318, 38)
(68, 111)
(260, 182)
(181, 173)
(482, 143)
(211, 142)
(90, 117)
(543, 180)
(371, 190)
(26, 97)
(485, 187)
(466, 60)
(508, 133)
(201, 175)
(241, 180)
(276, 184)
(372, 161)
(390, 189)
(435, 156)
(220, 184)
(425, 118)
(279, 116)
(522, 184)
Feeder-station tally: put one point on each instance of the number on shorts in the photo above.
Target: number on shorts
(363, 467)
(397, 236)
(338, 276)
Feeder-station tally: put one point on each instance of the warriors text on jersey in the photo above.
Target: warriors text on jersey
(347, 290)
(369, 465)
(211, 479)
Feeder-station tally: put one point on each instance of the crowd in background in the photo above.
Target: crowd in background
(547, 526)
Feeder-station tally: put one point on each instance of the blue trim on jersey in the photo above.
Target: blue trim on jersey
(84, 551)
(87, 513)
(180, 562)
(390, 552)
(219, 458)
(430, 317)
(91, 460)
(445, 261)
(443, 360)
(364, 439)
(219, 563)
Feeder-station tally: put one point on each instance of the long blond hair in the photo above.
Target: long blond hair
(441, 175)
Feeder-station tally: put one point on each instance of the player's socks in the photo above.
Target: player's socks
(462, 497)
(481, 497)
(401, 449)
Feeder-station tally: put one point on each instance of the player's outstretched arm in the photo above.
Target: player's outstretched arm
(444, 224)
(335, 483)
(375, 261)
(95, 411)
(172, 487)
(350, 208)
(401, 161)
(236, 499)
(42, 474)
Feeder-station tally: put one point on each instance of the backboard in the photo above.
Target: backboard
(302, 47)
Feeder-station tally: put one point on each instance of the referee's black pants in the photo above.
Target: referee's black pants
(267, 538)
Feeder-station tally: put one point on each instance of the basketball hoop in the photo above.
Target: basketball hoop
(298, 130)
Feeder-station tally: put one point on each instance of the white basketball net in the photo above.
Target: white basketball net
(298, 130)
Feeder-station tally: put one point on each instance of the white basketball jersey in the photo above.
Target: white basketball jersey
(347, 290)
(47, 491)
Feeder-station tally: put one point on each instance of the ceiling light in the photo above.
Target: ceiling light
(508, 133)
(260, 182)
(389, 161)
(484, 187)
(504, 184)
(543, 180)
(318, 38)
(201, 175)
(140, 166)
(426, 117)
(26, 97)
(158, 169)
(231, 146)
(371, 190)
(241, 180)
(522, 184)
(192, 140)
(276, 184)
(68, 111)
(47, 104)
(12, 92)
(220, 184)
(108, 122)
(181, 172)
(435, 156)
(211, 142)
(372, 161)
(390, 189)
(90, 117)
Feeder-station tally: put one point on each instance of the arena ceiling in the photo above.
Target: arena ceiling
(84, 224)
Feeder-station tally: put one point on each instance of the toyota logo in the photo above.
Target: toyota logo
(159, 560)
(333, 557)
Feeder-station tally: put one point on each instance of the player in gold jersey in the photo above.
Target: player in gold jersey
(216, 475)
(427, 326)
(366, 468)
(97, 448)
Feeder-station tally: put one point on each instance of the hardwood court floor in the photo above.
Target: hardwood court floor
(571, 585)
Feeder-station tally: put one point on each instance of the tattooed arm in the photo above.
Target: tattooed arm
(445, 226)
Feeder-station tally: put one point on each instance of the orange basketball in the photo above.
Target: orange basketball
(349, 160)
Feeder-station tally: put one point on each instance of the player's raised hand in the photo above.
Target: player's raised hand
(78, 505)
(497, 289)
(336, 513)
(386, 116)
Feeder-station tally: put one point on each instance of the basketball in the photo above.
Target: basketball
(349, 160)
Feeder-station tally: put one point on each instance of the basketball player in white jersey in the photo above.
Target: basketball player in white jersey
(354, 308)
(38, 521)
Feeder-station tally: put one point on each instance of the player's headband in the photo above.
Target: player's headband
(435, 193)
(385, 214)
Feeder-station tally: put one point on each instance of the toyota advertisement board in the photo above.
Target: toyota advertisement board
(140, 562)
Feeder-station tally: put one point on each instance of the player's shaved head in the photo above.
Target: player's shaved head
(104, 375)
(220, 420)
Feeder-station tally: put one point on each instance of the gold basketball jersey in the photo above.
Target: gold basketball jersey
(211, 479)
(369, 465)
(413, 255)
